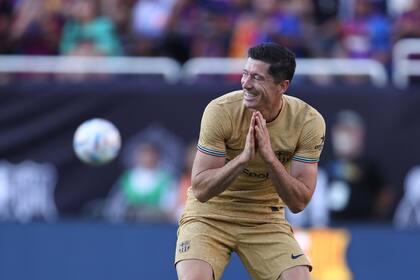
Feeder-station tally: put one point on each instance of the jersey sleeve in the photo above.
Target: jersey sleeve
(312, 138)
(215, 127)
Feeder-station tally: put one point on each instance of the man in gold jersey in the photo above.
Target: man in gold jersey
(257, 153)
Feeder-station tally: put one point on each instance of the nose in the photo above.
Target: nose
(246, 81)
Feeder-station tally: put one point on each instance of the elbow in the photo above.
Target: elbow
(297, 208)
(200, 197)
(299, 203)
(199, 194)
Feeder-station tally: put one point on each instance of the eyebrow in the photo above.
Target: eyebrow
(253, 73)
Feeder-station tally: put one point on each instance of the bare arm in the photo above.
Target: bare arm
(296, 188)
(211, 176)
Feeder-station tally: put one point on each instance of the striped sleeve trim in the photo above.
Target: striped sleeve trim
(211, 152)
(304, 159)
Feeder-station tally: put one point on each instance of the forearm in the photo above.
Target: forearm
(212, 182)
(294, 193)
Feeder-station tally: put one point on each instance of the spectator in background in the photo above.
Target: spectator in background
(120, 13)
(35, 30)
(366, 34)
(36, 27)
(149, 23)
(396, 7)
(148, 188)
(6, 46)
(180, 29)
(325, 27)
(269, 20)
(212, 35)
(407, 24)
(201, 28)
(146, 191)
(6, 10)
(88, 33)
(292, 28)
(358, 190)
(407, 214)
(320, 29)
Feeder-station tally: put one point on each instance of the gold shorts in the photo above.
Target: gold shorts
(266, 249)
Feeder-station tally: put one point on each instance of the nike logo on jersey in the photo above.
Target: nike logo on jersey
(297, 256)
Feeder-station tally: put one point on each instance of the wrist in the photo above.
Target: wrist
(270, 158)
(242, 159)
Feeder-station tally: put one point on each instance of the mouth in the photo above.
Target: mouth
(248, 96)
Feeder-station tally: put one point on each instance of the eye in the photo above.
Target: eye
(258, 77)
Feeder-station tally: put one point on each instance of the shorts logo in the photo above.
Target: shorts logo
(184, 246)
(294, 257)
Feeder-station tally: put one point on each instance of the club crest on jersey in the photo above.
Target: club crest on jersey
(283, 156)
(184, 246)
(320, 146)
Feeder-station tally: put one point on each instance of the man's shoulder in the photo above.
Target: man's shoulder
(296, 103)
(300, 107)
(229, 99)
(224, 108)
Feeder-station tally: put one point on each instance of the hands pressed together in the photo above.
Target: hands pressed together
(257, 139)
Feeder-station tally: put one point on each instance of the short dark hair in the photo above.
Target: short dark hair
(282, 60)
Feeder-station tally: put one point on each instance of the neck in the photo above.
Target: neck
(272, 113)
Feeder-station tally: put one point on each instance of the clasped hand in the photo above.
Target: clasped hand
(257, 139)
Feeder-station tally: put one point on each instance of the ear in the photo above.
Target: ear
(283, 86)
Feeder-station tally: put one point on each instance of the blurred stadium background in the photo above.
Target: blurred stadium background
(150, 67)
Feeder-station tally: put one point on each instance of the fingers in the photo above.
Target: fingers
(251, 130)
(261, 120)
(260, 124)
(253, 121)
(249, 149)
(252, 133)
(257, 131)
(258, 138)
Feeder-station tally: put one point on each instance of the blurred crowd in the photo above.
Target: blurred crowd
(211, 28)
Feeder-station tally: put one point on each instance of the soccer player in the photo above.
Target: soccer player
(257, 153)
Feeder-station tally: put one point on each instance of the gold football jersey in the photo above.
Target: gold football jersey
(298, 133)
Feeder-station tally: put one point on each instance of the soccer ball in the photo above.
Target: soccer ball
(96, 141)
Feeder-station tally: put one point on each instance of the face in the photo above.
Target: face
(147, 156)
(84, 10)
(260, 91)
(362, 7)
(347, 141)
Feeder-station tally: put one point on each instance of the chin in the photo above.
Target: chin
(250, 105)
